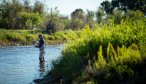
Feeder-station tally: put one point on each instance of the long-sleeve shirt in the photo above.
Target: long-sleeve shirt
(41, 44)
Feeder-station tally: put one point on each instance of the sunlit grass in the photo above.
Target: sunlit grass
(105, 52)
(16, 37)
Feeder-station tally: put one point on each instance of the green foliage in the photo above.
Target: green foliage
(77, 19)
(73, 63)
(134, 15)
(120, 64)
(30, 19)
(124, 5)
(56, 22)
(59, 35)
(39, 7)
(8, 37)
(78, 13)
(99, 15)
(14, 37)
(107, 50)
(17, 36)
(107, 6)
(16, 15)
(113, 10)
(25, 37)
(76, 24)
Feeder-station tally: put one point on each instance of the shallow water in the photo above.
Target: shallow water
(20, 64)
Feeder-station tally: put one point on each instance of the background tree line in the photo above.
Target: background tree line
(119, 9)
(22, 15)
(16, 15)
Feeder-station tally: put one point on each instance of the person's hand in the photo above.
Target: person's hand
(36, 44)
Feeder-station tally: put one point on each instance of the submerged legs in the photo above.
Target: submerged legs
(41, 56)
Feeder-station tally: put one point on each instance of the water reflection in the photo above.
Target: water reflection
(42, 63)
(42, 68)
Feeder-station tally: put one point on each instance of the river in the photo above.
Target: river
(20, 64)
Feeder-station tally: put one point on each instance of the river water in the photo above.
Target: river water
(20, 64)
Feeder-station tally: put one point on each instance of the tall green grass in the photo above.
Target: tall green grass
(106, 51)
(27, 37)
(12, 37)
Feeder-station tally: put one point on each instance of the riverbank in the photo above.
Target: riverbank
(28, 37)
(19, 43)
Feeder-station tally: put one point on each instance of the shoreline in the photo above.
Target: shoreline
(50, 42)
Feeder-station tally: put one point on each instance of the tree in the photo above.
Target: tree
(76, 24)
(100, 14)
(55, 22)
(78, 13)
(107, 6)
(39, 7)
(77, 19)
(117, 15)
(29, 20)
(134, 15)
(124, 5)
(90, 18)
(27, 6)
(133, 5)
(9, 11)
(66, 21)
(21, 15)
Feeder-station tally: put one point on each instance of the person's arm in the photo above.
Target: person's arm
(37, 45)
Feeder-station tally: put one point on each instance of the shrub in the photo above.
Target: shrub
(117, 47)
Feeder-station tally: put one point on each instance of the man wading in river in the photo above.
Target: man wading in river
(41, 45)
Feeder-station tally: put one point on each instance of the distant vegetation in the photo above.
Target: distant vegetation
(23, 15)
(17, 16)
(29, 37)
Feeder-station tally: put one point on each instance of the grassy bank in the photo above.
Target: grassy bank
(107, 54)
(28, 37)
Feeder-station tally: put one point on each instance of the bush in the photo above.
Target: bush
(117, 46)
